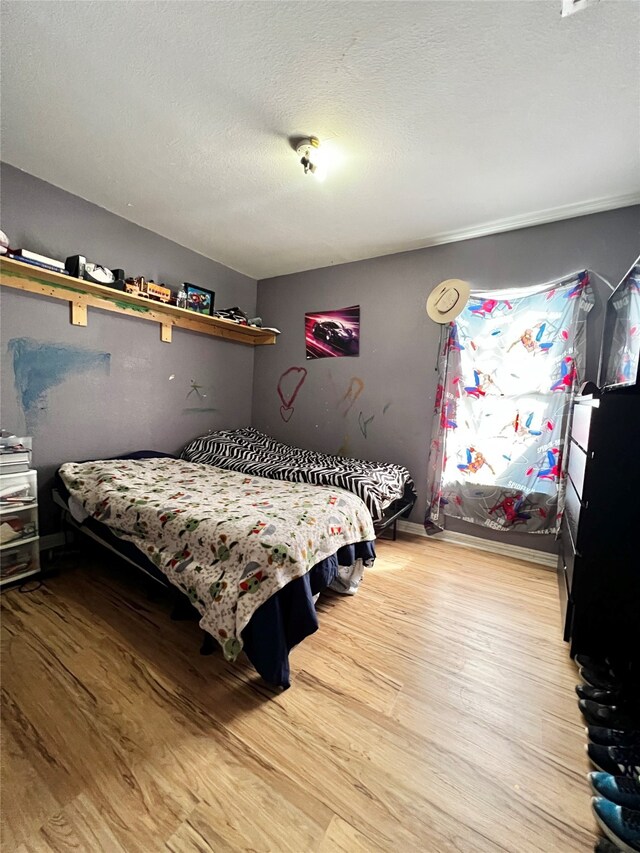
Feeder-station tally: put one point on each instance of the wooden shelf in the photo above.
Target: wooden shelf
(82, 295)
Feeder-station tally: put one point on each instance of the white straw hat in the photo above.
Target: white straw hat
(447, 300)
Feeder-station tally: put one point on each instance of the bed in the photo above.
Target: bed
(250, 554)
(387, 490)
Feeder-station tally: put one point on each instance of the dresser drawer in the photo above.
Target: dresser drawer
(19, 559)
(577, 466)
(18, 490)
(581, 424)
(572, 510)
(566, 605)
(567, 552)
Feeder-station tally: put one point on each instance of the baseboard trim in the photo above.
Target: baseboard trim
(466, 541)
(52, 540)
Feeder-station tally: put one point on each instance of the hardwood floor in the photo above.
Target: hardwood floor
(434, 711)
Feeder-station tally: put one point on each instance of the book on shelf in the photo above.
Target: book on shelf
(40, 264)
(28, 255)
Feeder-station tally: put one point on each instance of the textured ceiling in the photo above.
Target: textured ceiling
(444, 118)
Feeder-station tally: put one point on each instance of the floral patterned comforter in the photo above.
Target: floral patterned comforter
(228, 540)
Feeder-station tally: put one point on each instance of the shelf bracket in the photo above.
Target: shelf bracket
(165, 332)
(78, 313)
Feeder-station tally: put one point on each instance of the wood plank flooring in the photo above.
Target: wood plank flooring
(434, 711)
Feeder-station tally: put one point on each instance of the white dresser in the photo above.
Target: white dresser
(19, 545)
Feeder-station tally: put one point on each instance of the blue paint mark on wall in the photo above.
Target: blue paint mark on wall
(39, 366)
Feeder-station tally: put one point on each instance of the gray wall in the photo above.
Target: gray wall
(129, 401)
(132, 402)
(398, 344)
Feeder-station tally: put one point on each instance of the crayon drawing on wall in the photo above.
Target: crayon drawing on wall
(331, 334)
(290, 382)
(197, 396)
(39, 366)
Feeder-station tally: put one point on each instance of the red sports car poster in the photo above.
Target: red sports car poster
(330, 334)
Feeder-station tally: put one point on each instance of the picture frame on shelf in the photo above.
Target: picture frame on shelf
(199, 299)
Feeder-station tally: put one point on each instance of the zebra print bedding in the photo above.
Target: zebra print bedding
(378, 484)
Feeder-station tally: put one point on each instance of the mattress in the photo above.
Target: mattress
(378, 484)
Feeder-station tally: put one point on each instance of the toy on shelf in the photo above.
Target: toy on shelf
(141, 287)
(79, 267)
(238, 316)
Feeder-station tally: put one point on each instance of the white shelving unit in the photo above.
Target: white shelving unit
(20, 557)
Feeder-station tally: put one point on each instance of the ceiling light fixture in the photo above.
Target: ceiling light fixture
(308, 150)
(571, 6)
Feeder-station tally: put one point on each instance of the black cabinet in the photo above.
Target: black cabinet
(599, 561)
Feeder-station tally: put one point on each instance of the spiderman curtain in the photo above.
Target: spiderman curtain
(508, 368)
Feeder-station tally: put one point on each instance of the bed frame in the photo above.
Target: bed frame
(182, 607)
(398, 509)
(268, 643)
